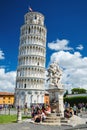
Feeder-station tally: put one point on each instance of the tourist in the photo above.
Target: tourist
(86, 107)
(43, 116)
(71, 111)
(83, 106)
(25, 109)
(37, 117)
(75, 109)
(66, 105)
(80, 107)
(68, 112)
(34, 110)
(47, 109)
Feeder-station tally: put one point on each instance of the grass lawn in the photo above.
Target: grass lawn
(11, 118)
(8, 118)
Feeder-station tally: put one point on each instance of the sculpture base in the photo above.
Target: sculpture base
(52, 119)
(56, 100)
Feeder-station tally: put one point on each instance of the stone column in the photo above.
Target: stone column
(19, 115)
(61, 105)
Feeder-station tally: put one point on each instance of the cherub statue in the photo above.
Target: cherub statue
(54, 74)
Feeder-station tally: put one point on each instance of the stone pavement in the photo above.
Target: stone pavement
(31, 126)
(26, 125)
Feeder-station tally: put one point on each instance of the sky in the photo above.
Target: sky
(66, 23)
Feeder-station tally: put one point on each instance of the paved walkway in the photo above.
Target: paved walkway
(30, 126)
(26, 125)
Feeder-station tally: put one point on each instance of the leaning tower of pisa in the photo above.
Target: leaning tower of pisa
(30, 79)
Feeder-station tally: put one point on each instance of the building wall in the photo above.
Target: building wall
(76, 95)
(6, 98)
(46, 99)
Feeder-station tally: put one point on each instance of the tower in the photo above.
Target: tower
(30, 79)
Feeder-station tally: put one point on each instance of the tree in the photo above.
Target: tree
(78, 90)
(66, 93)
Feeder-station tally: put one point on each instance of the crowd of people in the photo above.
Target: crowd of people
(40, 112)
(74, 110)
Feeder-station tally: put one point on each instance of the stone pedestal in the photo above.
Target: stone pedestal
(61, 104)
(56, 100)
(52, 119)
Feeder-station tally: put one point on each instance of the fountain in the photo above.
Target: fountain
(56, 92)
(56, 89)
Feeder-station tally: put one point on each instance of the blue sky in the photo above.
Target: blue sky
(66, 23)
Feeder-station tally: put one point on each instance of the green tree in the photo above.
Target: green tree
(75, 100)
(78, 90)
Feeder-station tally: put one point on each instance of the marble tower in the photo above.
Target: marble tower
(30, 78)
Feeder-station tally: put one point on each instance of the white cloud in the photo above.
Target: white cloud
(59, 45)
(74, 65)
(80, 47)
(7, 80)
(1, 55)
(75, 68)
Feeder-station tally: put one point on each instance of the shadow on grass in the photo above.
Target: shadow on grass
(26, 117)
(14, 121)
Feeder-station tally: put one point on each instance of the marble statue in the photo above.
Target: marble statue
(54, 74)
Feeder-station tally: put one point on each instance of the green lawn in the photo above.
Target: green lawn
(11, 118)
(8, 118)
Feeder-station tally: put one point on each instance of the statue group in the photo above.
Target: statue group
(54, 74)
